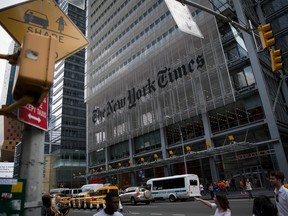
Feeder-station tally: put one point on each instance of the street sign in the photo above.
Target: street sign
(43, 17)
(182, 16)
(35, 116)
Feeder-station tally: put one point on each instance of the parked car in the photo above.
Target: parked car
(135, 195)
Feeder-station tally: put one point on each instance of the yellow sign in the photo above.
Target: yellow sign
(46, 18)
(18, 188)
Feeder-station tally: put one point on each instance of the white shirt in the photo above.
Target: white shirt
(248, 186)
(282, 204)
(217, 213)
(102, 213)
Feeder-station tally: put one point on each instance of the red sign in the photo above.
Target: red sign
(35, 116)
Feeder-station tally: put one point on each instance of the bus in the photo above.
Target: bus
(177, 187)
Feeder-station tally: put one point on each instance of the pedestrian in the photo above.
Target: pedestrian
(46, 209)
(241, 185)
(262, 206)
(221, 205)
(201, 187)
(210, 188)
(112, 205)
(233, 184)
(227, 185)
(56, 203)
(215, 188)
(249, 188)
(221, 186)
(281, 193)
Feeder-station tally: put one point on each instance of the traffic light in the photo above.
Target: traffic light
(266, 35)
(35, 68)
(276, 60)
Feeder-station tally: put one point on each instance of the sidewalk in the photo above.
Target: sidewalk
(237, 194)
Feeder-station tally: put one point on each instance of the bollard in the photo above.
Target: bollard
(74, 205)
(91, 204)
(79, 203)
(97, 204)
(120, 206)
(85, 205)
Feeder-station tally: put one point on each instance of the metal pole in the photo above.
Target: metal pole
(183, 150)
(208, 10)
(31, 168)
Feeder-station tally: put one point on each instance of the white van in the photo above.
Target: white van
(57, 190)
(175, 187)
(89, 187)
(71, 192)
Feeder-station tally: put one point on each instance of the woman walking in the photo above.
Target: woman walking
(221, 205)
(262, 206)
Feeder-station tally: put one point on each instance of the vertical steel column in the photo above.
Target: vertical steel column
(213, 168)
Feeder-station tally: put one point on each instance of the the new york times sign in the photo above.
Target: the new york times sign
(164, 77)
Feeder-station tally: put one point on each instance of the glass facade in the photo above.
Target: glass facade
(157, 97)
(67, 121)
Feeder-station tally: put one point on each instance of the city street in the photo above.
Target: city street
(239, 207)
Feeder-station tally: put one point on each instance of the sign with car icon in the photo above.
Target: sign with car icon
(32, 16)
(43, 17)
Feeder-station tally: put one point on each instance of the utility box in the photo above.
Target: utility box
(35, 67)
(12, 196)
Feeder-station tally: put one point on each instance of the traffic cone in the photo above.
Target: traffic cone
(79, 204)
(104, 206)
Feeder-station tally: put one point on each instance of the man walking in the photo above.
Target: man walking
(112, 205)
(281, 193)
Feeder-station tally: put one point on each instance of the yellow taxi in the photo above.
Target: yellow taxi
(92, 199)
(99, 196)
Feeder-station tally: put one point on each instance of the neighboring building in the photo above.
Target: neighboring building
(67, 122)
(154, 93)
(11, 128)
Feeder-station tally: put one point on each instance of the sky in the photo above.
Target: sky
(5, 41)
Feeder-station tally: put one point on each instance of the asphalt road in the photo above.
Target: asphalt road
(240, 207)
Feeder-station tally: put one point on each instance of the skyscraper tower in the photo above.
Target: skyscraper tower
(67, 123)
(158, 97)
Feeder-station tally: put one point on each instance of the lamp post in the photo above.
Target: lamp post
(182, 143)
(183, 150)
